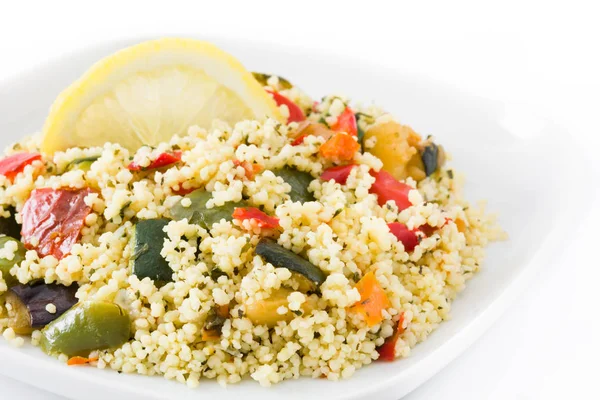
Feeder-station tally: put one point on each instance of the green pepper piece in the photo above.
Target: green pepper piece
(198, 214)
(280, 257)
(299, 182)
(9, 225)
(6, 264)
(86, 327)
(147, 242)
(83, 164)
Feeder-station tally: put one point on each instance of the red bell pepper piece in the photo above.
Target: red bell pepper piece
(163, 160)
(386, 187)
(52, 220)
(11, 166)
(387, 351)
(183, 192)
(261, 219)
(409, 238)
(315, 105)
(339, 174)
(429, 230)
(346, 122)
(296, 113)
(299, 140)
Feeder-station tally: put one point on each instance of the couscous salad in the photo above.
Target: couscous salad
(183, 217)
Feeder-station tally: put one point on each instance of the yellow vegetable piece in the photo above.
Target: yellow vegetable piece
(264, 312)
(396, 146)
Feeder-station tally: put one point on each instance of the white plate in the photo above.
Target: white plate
(519, 163)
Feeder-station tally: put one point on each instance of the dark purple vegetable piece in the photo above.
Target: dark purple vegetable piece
(35, 297)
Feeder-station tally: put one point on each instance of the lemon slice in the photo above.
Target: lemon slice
(145, 94)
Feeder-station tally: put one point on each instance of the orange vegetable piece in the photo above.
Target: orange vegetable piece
(81, 360)
(346, 122)
(223, 311)
(341, 147)
(373, 299)
(250, 170)
(208, 336)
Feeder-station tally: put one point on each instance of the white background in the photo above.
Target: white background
(540, 55)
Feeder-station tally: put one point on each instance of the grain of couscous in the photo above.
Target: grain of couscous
(266, 249)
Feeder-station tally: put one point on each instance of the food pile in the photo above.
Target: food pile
(187, 218)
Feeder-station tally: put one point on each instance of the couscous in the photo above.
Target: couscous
(311, 243)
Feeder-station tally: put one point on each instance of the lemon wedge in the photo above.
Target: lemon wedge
(145, 94)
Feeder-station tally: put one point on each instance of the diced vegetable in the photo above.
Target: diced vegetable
(387, 352)
(346, 122)
(296, 113)
(299, 181)
(433, 158)
(341, 147)
(197, 213)
(216, 273)
(280, 257)
(184, 192)
(339, 174)
(81, 360)
(461, 225)
(18, 317)
(429, 230)
(261, 219)
(9, 225)
(360, 132)
(415, 168)
(28, 304)
(6, 264)
(83, 164)
(250, 169)
(409, 238)
(52, 220)
(163, 160)
(395, 146)
(11, 166)
(264, 312)
(299, 140)
(373, 299)
(86, 327)
(147, 242)
(307, 128)
(387, 188)
(214, 322)
(264, 78)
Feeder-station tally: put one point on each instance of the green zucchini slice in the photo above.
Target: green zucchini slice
(280, 257)
(299, 182)
(198, 214)
(147, 242)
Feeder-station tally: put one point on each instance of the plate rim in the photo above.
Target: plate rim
(456, 344)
